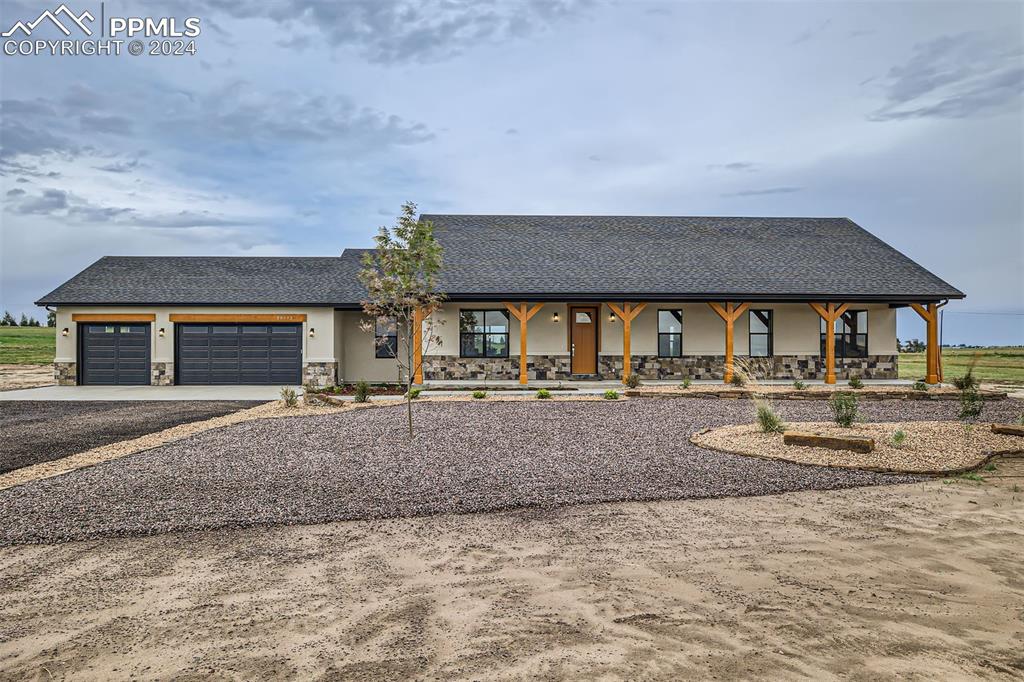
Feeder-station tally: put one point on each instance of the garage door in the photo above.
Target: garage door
(114, 354)
(238, 354)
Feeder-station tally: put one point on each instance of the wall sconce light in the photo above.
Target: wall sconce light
(611, 317)
(554, 317)
(312, 332)
(161, 332)
(64, 331)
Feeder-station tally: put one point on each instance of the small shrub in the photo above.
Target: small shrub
(685, 384)
(768, 420)
(415, 393)
(611, 394)
(738, 380)
(289, 397)
(966, 382)
(479, 395)
(899, 439)
(971, 405)
(1020, 420)
(844, 409)
(799, 385)
(920, 386)
(633, 380)
(543, 394)
(855, 383)
(362, 394)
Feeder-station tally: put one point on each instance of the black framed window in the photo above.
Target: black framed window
(761, 345)
(385, 338)
(851, 335)
(483, 333)
(670, 333)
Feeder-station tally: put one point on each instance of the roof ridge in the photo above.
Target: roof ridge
(613, 215)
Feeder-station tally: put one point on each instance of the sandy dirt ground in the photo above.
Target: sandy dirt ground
(13, 377)
(917, 581)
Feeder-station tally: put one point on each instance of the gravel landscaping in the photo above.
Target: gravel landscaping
(42, 431)
(930, 447)
(468, 457)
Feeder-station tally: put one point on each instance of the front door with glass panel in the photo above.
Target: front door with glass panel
(583, 323)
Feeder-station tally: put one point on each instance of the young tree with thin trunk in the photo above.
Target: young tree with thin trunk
(400, 277)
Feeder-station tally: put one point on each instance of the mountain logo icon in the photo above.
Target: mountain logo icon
(76, 20)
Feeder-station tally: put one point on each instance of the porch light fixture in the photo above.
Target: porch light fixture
(611, 317)
(64, 331)
(312, 332)
(554, 317)
(161, 332)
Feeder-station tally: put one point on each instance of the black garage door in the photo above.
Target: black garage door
(114, 354)
(238, 354)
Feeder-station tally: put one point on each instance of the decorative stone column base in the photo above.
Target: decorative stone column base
(162, 373)
(66, 373)
(319, 374)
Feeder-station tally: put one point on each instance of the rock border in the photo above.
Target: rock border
(986, 456)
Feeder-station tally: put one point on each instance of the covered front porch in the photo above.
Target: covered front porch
(548, 342)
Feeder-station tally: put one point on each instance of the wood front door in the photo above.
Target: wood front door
(583, 321)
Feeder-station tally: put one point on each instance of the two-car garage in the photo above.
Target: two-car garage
(205, 353)
(252, 354)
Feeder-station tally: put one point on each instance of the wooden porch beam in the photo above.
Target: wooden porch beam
(627, 313)
(930, 314)
(729, 312)
(830, 312)
(417, 345)
(523, 314)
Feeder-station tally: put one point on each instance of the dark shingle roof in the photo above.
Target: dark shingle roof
(551, 256)
(214, 280)
(693, 256)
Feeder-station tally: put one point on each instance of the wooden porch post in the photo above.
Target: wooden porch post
(626, 313)
(730, 313)
(523, 315)
(830, 313)
(930, 313)
(417, 345)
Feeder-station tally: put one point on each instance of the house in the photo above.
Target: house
(527, 298)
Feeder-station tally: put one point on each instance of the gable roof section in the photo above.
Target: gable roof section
(552, 258)
(677, 257)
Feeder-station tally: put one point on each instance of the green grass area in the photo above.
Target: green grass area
(993, 364)
(27, 345)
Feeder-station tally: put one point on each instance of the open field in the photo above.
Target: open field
(27, 345)
(996, 364)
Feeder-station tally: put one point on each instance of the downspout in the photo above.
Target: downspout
(939, 308)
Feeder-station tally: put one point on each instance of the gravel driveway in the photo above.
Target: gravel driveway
(41, 431)
(467, 457)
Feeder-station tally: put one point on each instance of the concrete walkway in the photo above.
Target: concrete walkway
(146, 393)
(442, 388)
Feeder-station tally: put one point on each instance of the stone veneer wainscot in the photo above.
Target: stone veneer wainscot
(557, 367)
(319, 374)
(66, 373)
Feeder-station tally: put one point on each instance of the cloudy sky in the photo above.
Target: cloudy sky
(299, 127)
